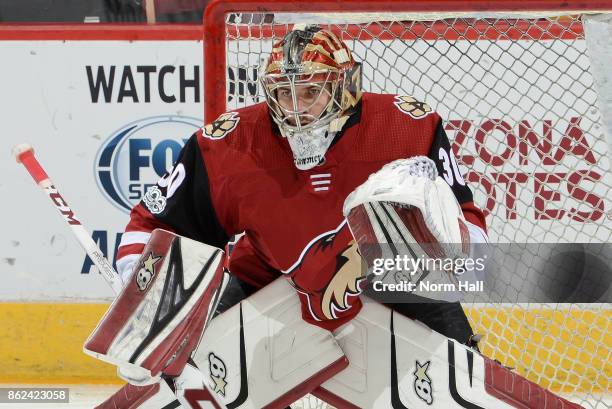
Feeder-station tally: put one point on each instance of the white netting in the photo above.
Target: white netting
(518, 99)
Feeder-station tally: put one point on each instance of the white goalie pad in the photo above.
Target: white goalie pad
(155, 396)
(402, 258)
(184, 391)
(399, 363)
(414, 183)
(410, 229)
(261, 354)
(157, 320)
(187, 390)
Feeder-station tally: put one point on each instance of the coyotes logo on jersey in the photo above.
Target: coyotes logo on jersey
(222, 126)
(329, 274)
(409, 105)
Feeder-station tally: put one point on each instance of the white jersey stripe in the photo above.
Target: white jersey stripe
(125, 266)
(134, 237)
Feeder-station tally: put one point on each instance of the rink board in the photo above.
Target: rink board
(107, 112)
(58, 358)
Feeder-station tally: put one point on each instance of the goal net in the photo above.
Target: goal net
(526, 102)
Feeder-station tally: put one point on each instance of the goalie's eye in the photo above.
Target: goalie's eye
(284, 92)
(313, 91)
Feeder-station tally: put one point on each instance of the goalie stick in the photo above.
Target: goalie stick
(24, 154)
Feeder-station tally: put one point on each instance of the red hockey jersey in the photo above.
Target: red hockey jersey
(237, 175)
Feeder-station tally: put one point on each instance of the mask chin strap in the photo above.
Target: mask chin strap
(309, 146)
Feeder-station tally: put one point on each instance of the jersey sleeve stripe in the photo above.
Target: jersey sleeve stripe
(133, 237)
(130, 249)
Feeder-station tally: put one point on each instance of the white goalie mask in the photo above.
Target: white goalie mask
(312, 86)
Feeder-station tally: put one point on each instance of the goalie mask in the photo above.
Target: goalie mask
(312, 86)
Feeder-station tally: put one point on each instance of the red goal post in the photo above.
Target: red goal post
(520, 92)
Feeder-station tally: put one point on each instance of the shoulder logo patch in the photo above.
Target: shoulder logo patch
(221, 126)
(409, 105)
(154, 200)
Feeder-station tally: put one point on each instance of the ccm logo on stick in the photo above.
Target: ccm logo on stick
(61, 204)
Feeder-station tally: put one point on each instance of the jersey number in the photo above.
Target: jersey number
(451, 169)
(173, 180)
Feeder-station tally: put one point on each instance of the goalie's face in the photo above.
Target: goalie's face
(302, 102)
(312, 85)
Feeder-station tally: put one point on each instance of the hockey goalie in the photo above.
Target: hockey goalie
(317, 183)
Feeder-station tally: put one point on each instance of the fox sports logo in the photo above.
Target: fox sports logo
(134, 157)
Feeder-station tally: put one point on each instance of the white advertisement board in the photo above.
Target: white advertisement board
(105, 119)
